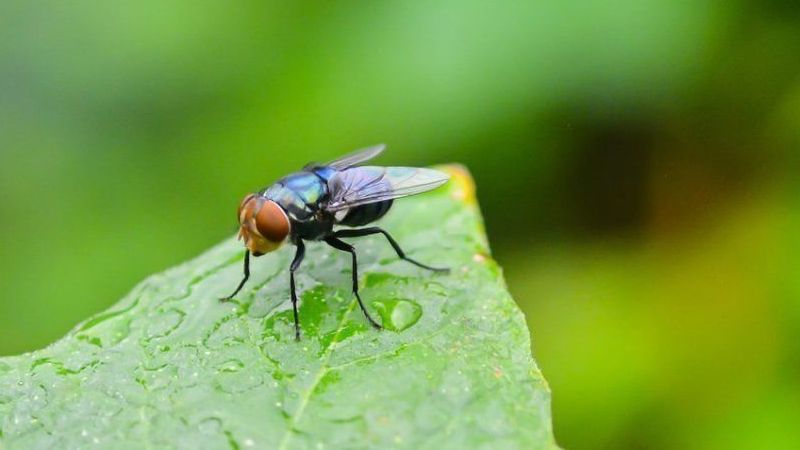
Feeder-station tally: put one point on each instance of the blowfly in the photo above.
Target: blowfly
(312, 204)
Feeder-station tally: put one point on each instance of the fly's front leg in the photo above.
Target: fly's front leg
(244, 280)
(345, 247)
(400, 253)
(298, 258)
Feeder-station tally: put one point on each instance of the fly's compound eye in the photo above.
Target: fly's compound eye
(272, 222)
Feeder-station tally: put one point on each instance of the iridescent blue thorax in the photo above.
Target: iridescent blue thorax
(323, 172)
(300, 195)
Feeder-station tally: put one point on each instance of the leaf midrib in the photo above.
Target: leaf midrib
(324, 368)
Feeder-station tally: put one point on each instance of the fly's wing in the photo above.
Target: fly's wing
(356, 157)
(370, 184)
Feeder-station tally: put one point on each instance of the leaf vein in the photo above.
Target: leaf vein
(287, 437)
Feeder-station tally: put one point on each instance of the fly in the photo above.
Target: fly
(308, 205)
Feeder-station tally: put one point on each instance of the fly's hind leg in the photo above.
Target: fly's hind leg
(400, 253)
(345, 247)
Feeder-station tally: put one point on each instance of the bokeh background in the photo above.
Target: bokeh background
(636, 162)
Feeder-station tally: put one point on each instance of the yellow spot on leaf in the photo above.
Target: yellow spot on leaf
(462, 186)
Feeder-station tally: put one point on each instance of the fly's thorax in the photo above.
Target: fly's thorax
(299, 194)
(263, 224)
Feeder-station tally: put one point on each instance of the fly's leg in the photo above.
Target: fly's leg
(298, 258)
(244, 280)
(400, 253)
(345, 247)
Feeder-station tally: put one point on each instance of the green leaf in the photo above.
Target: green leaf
(171, 367)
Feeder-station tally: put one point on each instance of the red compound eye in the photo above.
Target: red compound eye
(272, 222)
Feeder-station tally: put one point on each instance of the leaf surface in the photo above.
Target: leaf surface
(171, 367)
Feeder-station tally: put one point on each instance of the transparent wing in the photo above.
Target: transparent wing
(370, 184)
(357, 157)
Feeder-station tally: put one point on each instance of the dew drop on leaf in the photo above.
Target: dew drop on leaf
(398, 314)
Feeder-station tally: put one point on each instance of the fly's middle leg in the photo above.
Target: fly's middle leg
(298, 258)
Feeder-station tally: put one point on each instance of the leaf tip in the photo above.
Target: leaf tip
(462, 186)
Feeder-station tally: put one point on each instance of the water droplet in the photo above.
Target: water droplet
(108, 315)
(210, 425)
(399, 314)
(94, 340)
(164, 323)
(232, 365)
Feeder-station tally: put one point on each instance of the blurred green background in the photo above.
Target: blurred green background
(636, 162)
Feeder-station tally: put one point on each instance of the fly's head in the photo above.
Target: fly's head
(263, 225)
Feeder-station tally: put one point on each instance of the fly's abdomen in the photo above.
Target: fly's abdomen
(364, 214)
